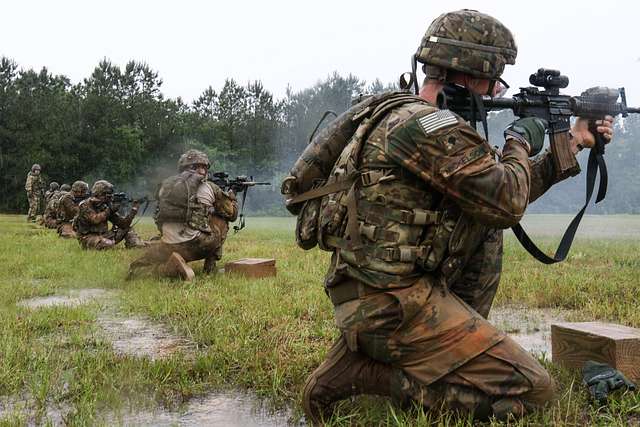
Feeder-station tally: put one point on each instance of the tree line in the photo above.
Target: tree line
(117, 125)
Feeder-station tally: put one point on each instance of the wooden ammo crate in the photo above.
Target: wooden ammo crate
(252, 267)
(572, 344)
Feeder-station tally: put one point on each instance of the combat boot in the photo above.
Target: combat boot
(343, 374)
(209, 266)
(176, 266)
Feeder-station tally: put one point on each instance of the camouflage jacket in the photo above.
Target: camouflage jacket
(431, 189)
(94, 217)
(51, 209)
(34, 183)
(67, 207)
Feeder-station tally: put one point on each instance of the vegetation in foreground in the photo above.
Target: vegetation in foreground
(264, 335)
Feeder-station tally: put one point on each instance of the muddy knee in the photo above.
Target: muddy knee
(542, 390)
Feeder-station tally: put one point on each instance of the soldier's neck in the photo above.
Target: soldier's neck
(430, 90)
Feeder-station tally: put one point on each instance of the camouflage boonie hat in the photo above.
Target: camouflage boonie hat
(35, 167)
(80, 187)
(102, 188)
(192, 157)
(53, 186)
(467, 41)
(67, 187)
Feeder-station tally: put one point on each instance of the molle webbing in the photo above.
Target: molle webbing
(402, 216)
(408, 254)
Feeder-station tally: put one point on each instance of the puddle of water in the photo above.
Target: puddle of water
(217, 409)
(529, 327)
(74, 298)
(139, 337)
(26, 410)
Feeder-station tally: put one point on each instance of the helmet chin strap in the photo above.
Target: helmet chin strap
(414, 68)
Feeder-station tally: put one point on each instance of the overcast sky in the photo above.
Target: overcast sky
(194, 44)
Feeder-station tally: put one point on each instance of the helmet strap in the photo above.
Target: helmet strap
(414, 73)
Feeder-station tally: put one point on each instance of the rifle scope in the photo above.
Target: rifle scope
(548, 79)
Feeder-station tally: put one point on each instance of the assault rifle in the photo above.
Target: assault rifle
(557, 109)
(122, 199)
(239, 184)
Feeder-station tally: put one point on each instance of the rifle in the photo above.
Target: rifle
(557, 109)
(239, 184)
(119, 201)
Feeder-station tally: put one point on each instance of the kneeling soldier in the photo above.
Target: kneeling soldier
(193, 216)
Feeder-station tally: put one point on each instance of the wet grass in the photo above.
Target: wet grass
(265, 335)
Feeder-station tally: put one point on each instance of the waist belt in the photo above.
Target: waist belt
(350, 290)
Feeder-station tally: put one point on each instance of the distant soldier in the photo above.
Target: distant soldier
(94, 214)
(35, 188)
(67, 208)
(193, 216)
(50, 216)
(53, 188)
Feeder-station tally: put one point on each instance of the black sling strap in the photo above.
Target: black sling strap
(595, 164)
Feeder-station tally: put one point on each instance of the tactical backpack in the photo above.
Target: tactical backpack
(329, 166)
(177, 202)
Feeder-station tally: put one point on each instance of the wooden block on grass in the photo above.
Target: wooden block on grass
(252, 267)
(572, 344)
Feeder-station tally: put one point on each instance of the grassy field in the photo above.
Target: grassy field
(264, 335)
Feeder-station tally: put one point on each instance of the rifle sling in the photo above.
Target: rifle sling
(322, 191)
(595, 164)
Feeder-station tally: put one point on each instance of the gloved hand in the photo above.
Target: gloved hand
(602, 379)
(529, 131)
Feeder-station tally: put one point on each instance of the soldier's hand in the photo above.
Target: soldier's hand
(135, 205)
(583, 138)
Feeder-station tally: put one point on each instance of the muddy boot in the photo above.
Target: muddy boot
(343, 374)
(176, 266)
(132, 240)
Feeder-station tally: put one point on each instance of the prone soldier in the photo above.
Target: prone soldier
(193, 223)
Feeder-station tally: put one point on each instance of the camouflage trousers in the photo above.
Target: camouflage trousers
(34, 205)
(204, 246)
(442, 352)
(65, 230)
(109, 239)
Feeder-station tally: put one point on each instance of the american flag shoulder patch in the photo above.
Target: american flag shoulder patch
(437, 120)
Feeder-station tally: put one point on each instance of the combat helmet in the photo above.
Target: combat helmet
(53, 186)
(192, 157)
(80, 187)
(467, 41)
(67, 187)
(102, 188)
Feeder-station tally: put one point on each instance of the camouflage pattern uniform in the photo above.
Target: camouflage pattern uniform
(34, 187)
(412, 302)
(50, 216)
(92, 222)
(67, 208)
(198, 235)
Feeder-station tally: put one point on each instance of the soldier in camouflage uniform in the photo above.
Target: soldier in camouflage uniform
(53, 188)
(94, 214)
(50, 216)
(34, 187)
(193, 222)
(432, 197)
(68, 208)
